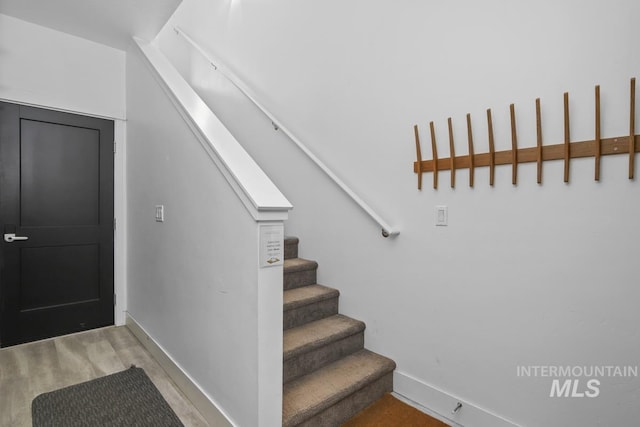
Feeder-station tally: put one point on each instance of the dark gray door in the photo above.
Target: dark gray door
(56, 216)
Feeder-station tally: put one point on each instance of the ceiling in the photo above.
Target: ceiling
(110, 22)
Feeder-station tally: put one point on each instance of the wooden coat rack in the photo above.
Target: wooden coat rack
(598, 147)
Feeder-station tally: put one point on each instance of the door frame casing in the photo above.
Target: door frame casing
(119, 207)
(120, 213)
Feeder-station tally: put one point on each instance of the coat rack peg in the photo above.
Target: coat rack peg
(632, 129)
(419, 156)
(565, 150)
(434, 150)
(567, 137)
(514, 146)
(539, 140)
(492, 149)
(452, 154)
(471, 153)
(598, 140)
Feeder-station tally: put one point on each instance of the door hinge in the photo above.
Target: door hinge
(114, 147)
(115, 223)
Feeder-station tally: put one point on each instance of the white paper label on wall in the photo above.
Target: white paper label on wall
(271, 245)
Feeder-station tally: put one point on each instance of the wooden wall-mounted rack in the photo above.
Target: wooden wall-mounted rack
(598, 147)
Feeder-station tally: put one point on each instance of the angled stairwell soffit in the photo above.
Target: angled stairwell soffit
(109, 22)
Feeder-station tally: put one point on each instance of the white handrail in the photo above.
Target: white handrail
(256, 191)
(387, 230)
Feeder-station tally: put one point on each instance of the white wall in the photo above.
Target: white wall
(526, 275)
(194, 284)
(48, 68)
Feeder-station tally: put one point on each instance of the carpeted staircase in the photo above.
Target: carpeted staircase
(328, 374)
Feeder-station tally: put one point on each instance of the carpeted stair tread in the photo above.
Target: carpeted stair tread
(307, 396)
(299, 297)
(317, 334)
(328, 375)
(307, 304)
(294, 265)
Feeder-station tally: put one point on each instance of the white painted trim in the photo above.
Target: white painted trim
(17, 97)
(439, 404)
(203, 403)
(255, 189)
(120, 214)
(233, 78)
(270, 336)
(426, 410)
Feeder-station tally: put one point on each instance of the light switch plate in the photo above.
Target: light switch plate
(160, 213)
(442, 216)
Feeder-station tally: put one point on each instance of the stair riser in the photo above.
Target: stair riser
(308, 362)
(310, 313)
(298, 279)
(329, 384)
(290, 249)
(346, 408)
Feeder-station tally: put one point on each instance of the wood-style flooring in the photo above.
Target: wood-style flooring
(30, 369)
(391, 412)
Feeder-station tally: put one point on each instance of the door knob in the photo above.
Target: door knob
(11, 237)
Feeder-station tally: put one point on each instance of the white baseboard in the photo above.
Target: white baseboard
(209, 410)
(440, 405)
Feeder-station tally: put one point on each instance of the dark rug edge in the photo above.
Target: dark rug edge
(164, 415)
